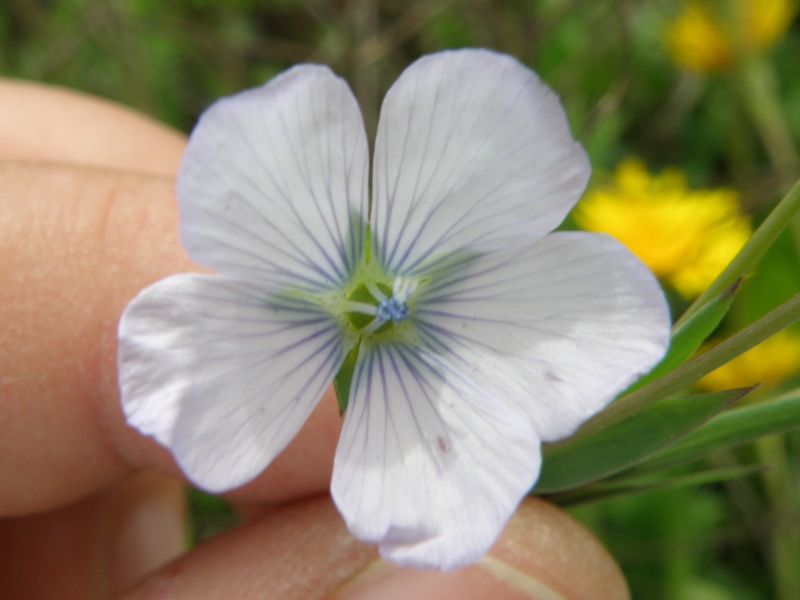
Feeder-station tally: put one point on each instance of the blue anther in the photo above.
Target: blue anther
(390, 308)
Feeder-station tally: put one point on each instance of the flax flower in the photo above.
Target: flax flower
(706, 37)
(463, 336)
(685, 236)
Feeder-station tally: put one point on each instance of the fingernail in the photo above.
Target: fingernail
(520, 580)
(487, 580)
(152, 532)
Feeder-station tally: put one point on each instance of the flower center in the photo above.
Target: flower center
(373, 307)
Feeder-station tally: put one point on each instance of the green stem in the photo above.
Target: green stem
(751, 252)
(685, 375)
(784, 539)
(363, 24)
(759, 88)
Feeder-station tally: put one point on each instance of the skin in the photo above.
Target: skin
(92, 509)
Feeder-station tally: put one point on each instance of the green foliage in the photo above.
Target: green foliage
(633, 484)
(732, 428)
(626, 443)
(209, 515)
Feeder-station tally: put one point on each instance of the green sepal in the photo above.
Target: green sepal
(367, 242)
(344, 378)
(622, 445)
(633, 485)
(687, 337)
(731, 428)
(209, 515)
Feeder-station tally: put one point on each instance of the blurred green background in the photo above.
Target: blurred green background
(709, 91)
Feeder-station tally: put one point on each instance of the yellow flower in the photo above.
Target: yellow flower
(765, 21)
(685, 236)
(705, 37)
(697, 42)
(771, 362)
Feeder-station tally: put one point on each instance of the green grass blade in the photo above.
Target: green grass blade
(752, 251)
(610, 489)
(628, 442)
(730, 429)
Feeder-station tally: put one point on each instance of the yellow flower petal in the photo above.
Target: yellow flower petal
(707, 37)
(765, 21)
(696, 40)
(685, 236)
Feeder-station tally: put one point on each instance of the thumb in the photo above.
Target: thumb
(304, 552)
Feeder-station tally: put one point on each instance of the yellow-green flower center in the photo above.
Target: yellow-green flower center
(361, 296)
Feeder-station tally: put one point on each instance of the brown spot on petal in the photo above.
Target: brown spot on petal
(550, 375)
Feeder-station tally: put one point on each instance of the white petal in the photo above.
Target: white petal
(557, 329)
(273, 184)
(221, 376)
(472, 152)
(428, 466)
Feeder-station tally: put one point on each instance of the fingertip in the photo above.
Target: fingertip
(95, 547)
(70, 235)
(296, 552)
(383, 581)
(46, 123)
(81, 243)
(543, 554)
(305, 551)
(149, 529)
(546, 543)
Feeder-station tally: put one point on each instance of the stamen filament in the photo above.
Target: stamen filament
(375, 291)
(359, 307)
(375, 324)
(403, 288)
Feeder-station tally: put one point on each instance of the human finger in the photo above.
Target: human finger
(45, 123)
(96, 547)
(304, 552)
(78, 243)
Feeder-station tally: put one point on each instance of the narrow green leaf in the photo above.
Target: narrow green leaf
(731, 428)
(752, 251)
(687, 337)
(628, 442)
(609, 489)
(343, 379)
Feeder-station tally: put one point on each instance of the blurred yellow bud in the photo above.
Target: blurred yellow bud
(705, 37)
(696, 41)
(765, 21)
(685, 236)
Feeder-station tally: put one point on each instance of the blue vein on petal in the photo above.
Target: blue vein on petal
(423, 383)
(310, 190)
(390, 259)
(399, 264)
(280, 187)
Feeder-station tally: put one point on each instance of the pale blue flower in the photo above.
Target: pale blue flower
(472, 335)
